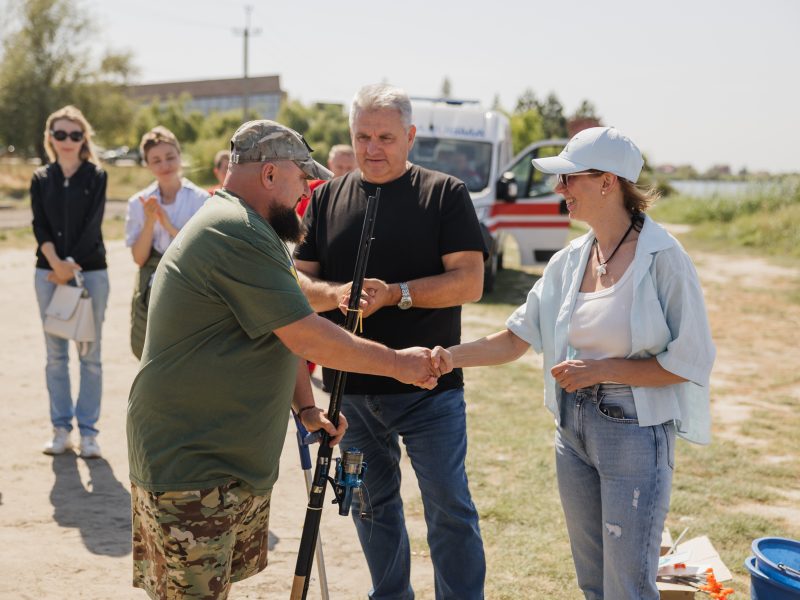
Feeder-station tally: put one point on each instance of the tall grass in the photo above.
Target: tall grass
(123, 181)
(766, 220)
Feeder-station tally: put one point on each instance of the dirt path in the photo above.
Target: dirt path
(64, 522)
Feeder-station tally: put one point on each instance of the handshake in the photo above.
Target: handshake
(421, 366)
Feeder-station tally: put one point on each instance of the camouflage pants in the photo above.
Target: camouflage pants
(195, 544)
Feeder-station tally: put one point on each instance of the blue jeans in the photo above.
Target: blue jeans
(614, 478)
(433, 427)
(87, 409)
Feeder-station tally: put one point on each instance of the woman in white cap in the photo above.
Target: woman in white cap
(620, 320)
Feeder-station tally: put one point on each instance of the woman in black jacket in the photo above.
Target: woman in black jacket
(68, 198)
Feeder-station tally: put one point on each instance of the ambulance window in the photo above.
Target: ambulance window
(468, 160)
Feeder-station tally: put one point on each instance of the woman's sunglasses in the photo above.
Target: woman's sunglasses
(75, 136)
(564, 179)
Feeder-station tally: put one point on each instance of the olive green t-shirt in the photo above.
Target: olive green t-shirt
(211, 400)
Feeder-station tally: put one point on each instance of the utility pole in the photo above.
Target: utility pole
(246, 33)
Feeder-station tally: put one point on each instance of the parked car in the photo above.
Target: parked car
(121, 156)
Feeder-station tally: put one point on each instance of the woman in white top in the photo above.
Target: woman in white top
(155, 215)
(620, 320)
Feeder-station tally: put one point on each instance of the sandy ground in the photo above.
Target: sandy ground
(65, 521)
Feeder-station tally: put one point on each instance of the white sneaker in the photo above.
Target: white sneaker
(89, 447)
(60, 442)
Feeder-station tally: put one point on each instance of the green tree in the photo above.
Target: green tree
(46, 63)
(586, 110)
(293, 114)
(527, 101)
(171, 114)
(526, 128)
(322, 125)
(554, 122)
(221, 124)
(527, 125)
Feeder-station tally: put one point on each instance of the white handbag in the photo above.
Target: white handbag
(69, 315)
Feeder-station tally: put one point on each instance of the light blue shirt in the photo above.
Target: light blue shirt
(187, 202)
(668, 321)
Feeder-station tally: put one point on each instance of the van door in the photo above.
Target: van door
(538, 220)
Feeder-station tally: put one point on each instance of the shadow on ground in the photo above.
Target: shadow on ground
(511, 287)
(100, 509)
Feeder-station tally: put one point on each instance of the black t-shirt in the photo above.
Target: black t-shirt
(422, 216)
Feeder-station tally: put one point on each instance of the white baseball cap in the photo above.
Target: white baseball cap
(599, 148)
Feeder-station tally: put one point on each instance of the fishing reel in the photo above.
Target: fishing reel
(350, 469)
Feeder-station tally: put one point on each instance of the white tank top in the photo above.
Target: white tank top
(600, 326)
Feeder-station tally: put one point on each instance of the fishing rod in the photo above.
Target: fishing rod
(303, 440)
(350, 468)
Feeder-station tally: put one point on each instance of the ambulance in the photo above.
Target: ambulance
(511, 198)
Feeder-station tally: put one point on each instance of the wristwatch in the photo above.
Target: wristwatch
(405, 297)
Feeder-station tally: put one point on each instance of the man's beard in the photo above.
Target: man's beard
(286, 224)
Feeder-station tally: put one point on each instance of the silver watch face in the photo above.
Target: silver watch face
(405, 298)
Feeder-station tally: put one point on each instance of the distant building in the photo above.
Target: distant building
(264, 94)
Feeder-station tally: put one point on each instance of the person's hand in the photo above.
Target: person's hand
(344, 303)
(315, 419)
(63, 271)
(163, 218)
(377, 294)
(441, 360)
(380, 293)
(413, 365)
(572, 375)
(151, 209)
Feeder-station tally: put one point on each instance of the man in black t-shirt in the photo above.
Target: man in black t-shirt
(425, 261)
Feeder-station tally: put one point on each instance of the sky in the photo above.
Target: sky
(702, 82)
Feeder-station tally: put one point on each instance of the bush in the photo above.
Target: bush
(200, 156)
(765, 220)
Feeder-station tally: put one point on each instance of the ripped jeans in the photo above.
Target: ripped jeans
(614, 479)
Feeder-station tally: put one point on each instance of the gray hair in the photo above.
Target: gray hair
(340, 149)
(382, 95)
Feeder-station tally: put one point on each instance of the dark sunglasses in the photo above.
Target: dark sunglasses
(564, 179)
(75, 136)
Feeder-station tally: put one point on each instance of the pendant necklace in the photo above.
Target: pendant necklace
(601, 266)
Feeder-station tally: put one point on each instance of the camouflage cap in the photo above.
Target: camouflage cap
(262, 140)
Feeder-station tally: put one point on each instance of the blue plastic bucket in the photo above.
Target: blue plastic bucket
(778, 559)
(764, 588)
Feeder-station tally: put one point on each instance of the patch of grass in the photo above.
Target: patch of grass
(17, 238)
(22, 237)
(123, 182)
